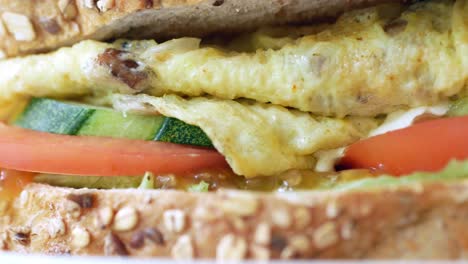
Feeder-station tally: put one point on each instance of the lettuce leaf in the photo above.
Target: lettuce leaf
(200, 187)
(455, 170)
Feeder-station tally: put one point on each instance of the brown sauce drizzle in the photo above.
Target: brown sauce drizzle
(13, 182)
(124, 69)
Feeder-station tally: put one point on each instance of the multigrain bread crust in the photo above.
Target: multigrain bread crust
(32, 26)
(416, 221)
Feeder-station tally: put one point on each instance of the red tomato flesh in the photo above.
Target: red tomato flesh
(426, 146)
(28, 150)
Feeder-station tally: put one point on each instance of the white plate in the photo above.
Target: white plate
(13, 258)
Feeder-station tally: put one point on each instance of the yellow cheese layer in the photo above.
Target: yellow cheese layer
(367, 63)
(256, 139)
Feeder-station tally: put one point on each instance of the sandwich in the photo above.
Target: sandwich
(234, 130)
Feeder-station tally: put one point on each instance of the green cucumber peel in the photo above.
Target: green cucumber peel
(52, 116)
(68, 118)
(175, 131)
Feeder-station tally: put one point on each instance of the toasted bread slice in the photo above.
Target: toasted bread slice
(37, 26)
(416, 221)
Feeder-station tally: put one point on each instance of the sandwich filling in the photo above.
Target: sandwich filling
(380, 91)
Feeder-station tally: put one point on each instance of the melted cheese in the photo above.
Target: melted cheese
(365, 64)
(326, 159)
(256, 139)
(354, 67)
(401, 119)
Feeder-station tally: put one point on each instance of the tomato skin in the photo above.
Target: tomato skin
(425, 146)
(34, 151)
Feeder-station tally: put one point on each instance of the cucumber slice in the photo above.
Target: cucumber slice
(175, 131)
(114, 124)
(78, 119)
(53, 116)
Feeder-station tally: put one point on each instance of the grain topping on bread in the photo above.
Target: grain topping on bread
(39, 26)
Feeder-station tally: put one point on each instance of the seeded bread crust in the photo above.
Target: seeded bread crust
(31, 26)
(418, 221)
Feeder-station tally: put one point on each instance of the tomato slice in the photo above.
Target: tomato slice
(425, 146)
(28, 150)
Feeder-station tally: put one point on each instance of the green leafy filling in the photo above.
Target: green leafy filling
(200, 187)
(455, 170)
